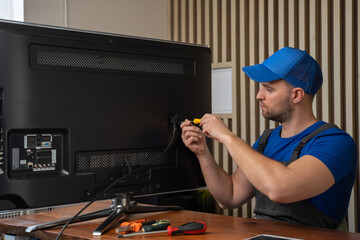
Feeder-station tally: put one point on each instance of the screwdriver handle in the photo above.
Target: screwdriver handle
(196, 120)
(138, 226)
(188, 228)
(148, 222)
(159, 225)
(129, 223)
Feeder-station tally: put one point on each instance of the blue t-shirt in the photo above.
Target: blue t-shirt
(336, 149)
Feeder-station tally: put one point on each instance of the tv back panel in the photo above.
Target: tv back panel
(80, 109)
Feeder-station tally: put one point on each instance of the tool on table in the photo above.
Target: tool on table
(158, 225)
(133, 226)
(188, 228)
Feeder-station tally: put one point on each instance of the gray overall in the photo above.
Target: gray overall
(301, 212)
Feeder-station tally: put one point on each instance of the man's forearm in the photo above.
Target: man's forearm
(229, 191)
(263, 173)
(217, 180)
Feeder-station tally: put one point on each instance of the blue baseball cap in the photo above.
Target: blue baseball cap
(295, 66)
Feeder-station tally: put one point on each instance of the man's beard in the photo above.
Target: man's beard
(281, 114)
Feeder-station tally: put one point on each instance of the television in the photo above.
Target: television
(80, 109)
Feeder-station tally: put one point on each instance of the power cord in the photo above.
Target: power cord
(173, 122)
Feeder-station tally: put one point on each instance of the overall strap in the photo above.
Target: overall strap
(263, 140)
(296, 153)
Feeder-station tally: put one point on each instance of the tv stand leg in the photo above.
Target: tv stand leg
(121, 205)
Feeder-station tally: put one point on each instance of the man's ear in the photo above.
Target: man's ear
(298, 95)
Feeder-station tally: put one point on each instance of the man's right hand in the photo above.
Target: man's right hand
(193, 138)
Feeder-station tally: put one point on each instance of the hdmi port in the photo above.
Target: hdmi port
(43, 154)
(46, 138)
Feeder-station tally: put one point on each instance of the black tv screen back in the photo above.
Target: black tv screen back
(80, 109)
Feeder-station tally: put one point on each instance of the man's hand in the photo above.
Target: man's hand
(214, 127)
(229, 191)
(193, 138)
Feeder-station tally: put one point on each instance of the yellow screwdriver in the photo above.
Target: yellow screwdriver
(195, 121)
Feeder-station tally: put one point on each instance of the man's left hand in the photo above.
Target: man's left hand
(214, 127)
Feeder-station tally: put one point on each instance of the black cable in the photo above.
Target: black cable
(116, 181)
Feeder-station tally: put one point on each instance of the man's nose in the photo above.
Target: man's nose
(259, 95)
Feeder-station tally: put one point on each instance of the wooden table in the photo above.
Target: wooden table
(219, 227)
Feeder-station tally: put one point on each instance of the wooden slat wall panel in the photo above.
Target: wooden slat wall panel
(263, 48)
(326, 61)
(244, 32)
(357, 105)
(350, 83)
(233, 57)
(191, 23)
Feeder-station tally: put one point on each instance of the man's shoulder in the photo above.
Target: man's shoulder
(335, 133)
(333, 140)
(330, 130)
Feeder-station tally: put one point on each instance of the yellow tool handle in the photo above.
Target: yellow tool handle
(196, 120)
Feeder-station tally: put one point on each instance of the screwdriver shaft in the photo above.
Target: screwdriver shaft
(141, 233)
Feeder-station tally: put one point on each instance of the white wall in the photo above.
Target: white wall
(12, 10)
(145, 18)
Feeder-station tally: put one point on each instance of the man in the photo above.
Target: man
(312, 188)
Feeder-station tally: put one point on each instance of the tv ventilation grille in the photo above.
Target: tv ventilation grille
(90, 161)
(61, 58)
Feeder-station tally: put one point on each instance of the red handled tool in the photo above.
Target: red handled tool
(188, 228)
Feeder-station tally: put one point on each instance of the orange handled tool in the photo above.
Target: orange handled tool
(133, 226)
